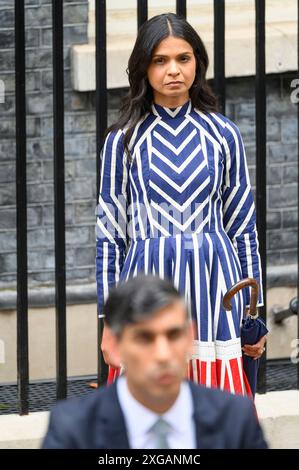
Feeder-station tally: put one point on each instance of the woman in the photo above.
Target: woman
(175, 198)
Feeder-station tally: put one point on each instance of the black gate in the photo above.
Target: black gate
(101, 124)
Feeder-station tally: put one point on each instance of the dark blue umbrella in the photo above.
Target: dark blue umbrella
(252, 330)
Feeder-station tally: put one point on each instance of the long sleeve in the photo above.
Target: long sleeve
(111, 226)
(239, 218)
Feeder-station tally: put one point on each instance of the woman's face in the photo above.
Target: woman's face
(172, 71)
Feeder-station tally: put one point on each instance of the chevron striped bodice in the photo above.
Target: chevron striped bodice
(177, 173)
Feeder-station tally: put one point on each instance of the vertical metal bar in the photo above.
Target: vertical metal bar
(261, 166)
(101, 125)
(298, 201)
(21, 197)
(59, 199)
(181, 8)
(219, 52)
(142, 12)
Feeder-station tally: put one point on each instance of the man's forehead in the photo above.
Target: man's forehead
(172, 316)
(149, 329)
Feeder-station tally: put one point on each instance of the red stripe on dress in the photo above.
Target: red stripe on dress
(198, 371)
(190, 374)
(237, 380)
(218, 371)
(112, 374)
(226, 386)
(203, 372)
(214, 382)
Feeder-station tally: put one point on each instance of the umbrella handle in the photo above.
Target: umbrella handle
(238, 286)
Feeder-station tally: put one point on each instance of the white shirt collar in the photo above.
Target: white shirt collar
(132, 408)
(179, 416)
(183, 403)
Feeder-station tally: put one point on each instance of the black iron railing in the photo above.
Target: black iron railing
(219, 52)
(59, 199)
(142, 10)
(261, 181)
(101, 125)
(21, 201)
(298, 203)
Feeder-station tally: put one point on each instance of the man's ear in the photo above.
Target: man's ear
(111, 347)
(115, 350)
(192, 329)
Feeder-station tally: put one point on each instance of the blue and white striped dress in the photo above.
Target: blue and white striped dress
(183, 209)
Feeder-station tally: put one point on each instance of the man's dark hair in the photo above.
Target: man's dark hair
(137, 299)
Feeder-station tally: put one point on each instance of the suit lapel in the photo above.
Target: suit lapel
(110, 424)
(111, 430)
(205, 419)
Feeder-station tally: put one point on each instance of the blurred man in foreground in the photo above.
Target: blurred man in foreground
(152, 405)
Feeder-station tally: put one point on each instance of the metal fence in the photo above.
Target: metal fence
(218, 84)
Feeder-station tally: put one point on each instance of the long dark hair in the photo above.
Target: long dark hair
(140, 97)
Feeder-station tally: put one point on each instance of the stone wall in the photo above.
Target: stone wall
(80, 175)
(282, 158)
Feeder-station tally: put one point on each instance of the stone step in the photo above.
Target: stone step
(278, 413)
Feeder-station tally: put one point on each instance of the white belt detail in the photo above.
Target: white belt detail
(210, 351)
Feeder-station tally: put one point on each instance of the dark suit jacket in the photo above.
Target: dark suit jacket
(222, 421)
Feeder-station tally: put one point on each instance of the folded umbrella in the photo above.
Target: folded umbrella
(252, 330)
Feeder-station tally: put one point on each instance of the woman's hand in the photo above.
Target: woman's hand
(255, 350)
(108, 348)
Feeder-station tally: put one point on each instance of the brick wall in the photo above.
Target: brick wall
(282, 158)
(80, 151)
(79, 147)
